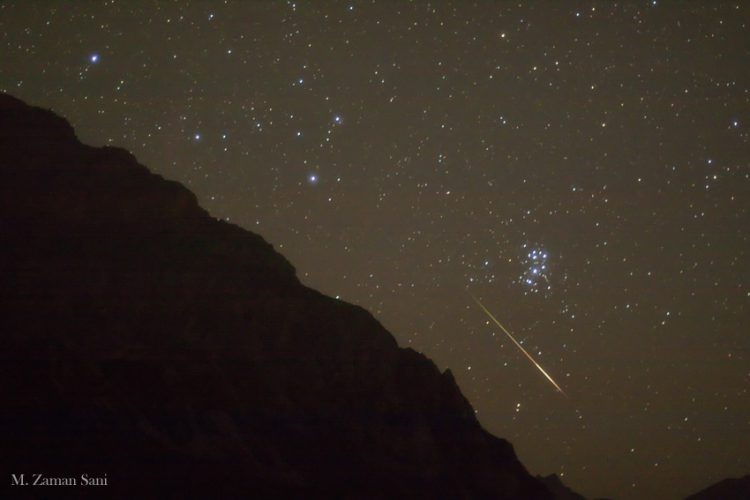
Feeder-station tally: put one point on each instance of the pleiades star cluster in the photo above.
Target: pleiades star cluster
(582, 168)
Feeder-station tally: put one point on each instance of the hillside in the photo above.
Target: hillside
(180, 354)
(727, 489)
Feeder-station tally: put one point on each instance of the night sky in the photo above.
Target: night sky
(582, 168)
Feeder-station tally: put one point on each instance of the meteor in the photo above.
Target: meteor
(538, 366)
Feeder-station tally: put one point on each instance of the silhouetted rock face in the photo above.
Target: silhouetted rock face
(728, 489)
(178, 354)
(558, 489)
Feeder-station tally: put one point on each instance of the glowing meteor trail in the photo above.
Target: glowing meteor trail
(539, 367)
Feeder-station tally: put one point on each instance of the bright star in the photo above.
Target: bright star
(94, 58)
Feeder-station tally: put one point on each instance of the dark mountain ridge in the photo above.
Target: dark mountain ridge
(558, 489)
(727, 489)
(181, 356)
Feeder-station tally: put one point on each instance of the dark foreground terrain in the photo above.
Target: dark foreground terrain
(181, 356)
(728, 489)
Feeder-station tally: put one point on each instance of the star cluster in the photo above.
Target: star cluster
(583, 168)
(536, 270)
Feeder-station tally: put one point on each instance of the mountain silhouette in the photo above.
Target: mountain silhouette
(180, 355)
(558, 489)
(728, 489)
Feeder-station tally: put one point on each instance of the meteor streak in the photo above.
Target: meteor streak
(538, 366)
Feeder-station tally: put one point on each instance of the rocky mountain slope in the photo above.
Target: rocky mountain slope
(558, 489)
(728, 489)
(179, 355)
